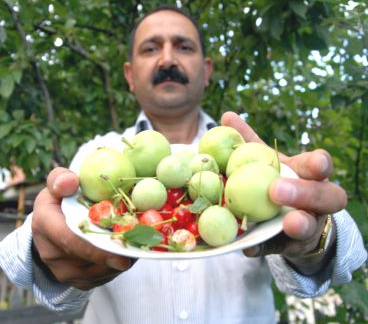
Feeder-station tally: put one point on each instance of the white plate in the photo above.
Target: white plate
(75, 213)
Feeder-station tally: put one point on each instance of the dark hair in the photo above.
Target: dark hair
(162, 8)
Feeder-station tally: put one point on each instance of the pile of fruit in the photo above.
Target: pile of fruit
(153, 198)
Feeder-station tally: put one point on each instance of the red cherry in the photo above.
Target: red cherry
(121, 208)
(186, 202)
(151, 217)
(167, 229)
(193, 228)
(183, 217)
(174, 195)
(166, 210)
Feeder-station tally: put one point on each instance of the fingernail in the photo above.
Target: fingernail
(324, 164)
(304, 228)
(284, 191)
(119, 264)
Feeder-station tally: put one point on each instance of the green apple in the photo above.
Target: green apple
(110, 163)
(203, 162)
(146, 150)
(217, 226)
(220, 142)
(148, 193)
(174, 171)
(246, 192)
(252, 152)
(205, 184)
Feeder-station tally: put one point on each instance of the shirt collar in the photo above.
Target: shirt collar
(205, 123)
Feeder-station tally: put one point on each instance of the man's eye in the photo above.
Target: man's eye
(186, 48)
(149, 49)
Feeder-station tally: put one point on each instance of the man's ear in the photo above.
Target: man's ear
(129, 75)
(208, 67)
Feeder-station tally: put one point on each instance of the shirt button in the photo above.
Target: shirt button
(183, 315)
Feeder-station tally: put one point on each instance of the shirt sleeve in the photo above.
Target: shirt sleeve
(350, 255)
(21, 270)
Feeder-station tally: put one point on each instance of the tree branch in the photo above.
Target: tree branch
(41, 82)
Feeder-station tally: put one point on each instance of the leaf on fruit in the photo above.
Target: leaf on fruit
(199, 205)
(143, 235)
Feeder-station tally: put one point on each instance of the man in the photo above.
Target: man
(168, 73)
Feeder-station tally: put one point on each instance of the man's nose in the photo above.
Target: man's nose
(168, 57)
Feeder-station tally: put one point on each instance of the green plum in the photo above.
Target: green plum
(217, 226)
(148, 193)
(220, 142)
(174, 171)
(110, 163)
(246, 192)
(203, 162)
(146, 150)
(205, 184)
(252, 152)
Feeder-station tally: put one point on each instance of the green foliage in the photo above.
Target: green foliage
(295, 69)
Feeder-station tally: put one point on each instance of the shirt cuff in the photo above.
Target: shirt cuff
(350, 255)
(22, 271)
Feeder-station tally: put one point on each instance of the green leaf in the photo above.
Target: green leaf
(299, 8)
(17, 76)
(30, 144)
(5, 130)
(7, 86)
(199, 205)
(356, 295)
(143, 235)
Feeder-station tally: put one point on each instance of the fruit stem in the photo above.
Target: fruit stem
(82, 200)
(120, 193)
(127, 200)
(124, 140)
(243, 225)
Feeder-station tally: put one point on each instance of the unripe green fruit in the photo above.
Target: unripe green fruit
(110, 163)
(246, 192)
(203, 162)
(149, 193)
(252, 152)
(146, 150)
(220, 142)
(205, 184)
(173, 171)
(217, 226)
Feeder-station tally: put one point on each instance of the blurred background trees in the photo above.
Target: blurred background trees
(296, 70)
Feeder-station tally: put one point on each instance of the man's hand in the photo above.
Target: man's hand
(69, 258)
(312, 196)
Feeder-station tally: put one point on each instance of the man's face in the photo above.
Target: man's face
(167, 70)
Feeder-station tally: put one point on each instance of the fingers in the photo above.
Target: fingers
(318, 197)
(316, 165)
(69, 258)
(301, 234)
(233, 120)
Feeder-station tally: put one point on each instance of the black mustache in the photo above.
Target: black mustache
(172, 74)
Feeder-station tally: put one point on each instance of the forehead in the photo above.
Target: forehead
(166, 24)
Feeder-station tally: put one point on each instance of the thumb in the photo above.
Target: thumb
(62, 182)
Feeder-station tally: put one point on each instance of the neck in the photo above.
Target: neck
(177, 128)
